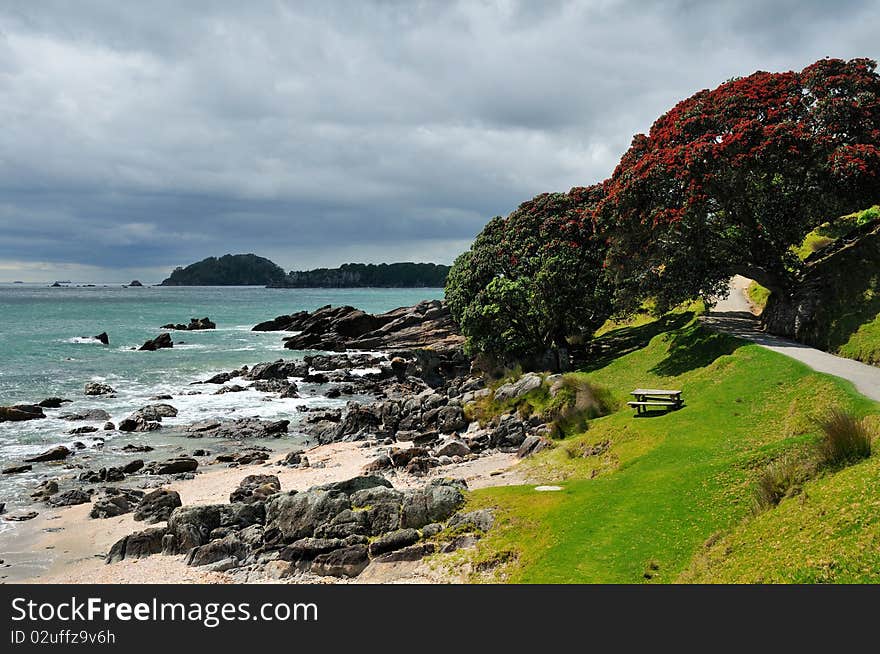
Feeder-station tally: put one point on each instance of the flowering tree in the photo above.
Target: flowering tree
(729, 180)
(534, 278)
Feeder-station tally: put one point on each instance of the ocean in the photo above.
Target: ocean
(46, 351)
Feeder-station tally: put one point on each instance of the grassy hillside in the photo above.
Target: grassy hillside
(643, 503)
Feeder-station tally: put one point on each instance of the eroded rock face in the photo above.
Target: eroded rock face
(434, 503)
(297, 515)
(346, 562)
(137, 545)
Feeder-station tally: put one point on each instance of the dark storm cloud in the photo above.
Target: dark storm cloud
(145, 135)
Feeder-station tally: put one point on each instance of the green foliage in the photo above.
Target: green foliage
(534, 279)
(228, 270)
(575, 400)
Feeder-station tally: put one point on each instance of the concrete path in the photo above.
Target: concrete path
(733, 315)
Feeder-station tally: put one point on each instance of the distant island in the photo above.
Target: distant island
(358, 275)
(251, 270)
(228, 270)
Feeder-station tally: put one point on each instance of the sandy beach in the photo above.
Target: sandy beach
(66, 546)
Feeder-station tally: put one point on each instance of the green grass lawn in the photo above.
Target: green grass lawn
(758, 295)
(643, 510)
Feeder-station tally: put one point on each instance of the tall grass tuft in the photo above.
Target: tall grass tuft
(845, 439)
(781, 479)
(575, 402)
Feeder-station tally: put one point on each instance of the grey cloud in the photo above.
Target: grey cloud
(147, 135)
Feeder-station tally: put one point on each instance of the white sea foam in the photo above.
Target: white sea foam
(85, 340)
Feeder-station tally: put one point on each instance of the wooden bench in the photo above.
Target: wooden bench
(645, 398)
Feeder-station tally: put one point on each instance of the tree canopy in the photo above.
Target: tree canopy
(534, 278)
(730, 179)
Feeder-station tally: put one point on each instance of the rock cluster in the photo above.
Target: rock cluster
(334, 529)
(428, 323)
(194, 325)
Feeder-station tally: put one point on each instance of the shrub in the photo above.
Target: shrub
(575, 402)
(868, 215)
(845, 438)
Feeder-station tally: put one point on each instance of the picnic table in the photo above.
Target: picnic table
(646, 398)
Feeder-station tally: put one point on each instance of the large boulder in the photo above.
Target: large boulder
(88, 415)
(434, 503)
(255, 488)
(137, 545)
(172, 466)
(156, 412)
(21, 412)
(280, 369)
(241, 429)
(453, 447)
(97, 388)
(113, 502)
(190, 526)
(52, 454)
(297, 515)
(70, 498)
(137, 422)
(480, 520)
(52, 402)
(379, 508)
(157, 506)
(163, 340)
(518, 388)
(16, 469)
(355, 484)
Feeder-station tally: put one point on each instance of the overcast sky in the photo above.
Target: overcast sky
(137, 136)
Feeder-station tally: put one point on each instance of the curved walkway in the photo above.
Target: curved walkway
(734, 316)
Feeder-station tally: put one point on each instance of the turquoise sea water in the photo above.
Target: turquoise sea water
(42, 354)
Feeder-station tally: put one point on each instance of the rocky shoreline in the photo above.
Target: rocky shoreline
(406, 418)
